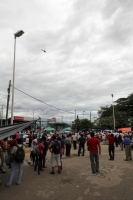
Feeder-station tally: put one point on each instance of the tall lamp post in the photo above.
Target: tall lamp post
(17, 34)
(113, 111)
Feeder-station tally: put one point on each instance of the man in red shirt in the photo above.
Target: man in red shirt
(94, 146)
(111, 139)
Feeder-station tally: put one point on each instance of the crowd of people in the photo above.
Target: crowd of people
(12, 153)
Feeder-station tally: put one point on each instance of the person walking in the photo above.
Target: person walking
(95, 148)
(120, 139)
(17, 155)
(45, 152)
(40, 152)
(81, 142)
(30, 138)
(55, 147)
(74, 139)
(127, 148)
(67, 142)
(13, 142)
(111, 147)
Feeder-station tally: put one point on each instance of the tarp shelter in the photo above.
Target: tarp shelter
(49, 129)
(67, 129)
(125, 130)
(6, 131)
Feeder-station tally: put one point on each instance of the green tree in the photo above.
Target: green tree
(80, 124)
(123, 113)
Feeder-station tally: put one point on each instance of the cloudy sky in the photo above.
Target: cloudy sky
(89, 46)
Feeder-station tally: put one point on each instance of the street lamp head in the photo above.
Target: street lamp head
(18, 33)
(112, 95)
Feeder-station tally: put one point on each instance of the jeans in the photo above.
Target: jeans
(94, 158)
(44, 158)
(79, 150)
(15, 165)
(40, 161)
(111, 151)
(68, 147)
(121, 145)
(75, 144)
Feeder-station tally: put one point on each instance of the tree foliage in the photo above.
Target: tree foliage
(81, 124)
(123, 111)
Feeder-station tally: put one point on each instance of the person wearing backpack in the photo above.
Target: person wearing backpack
(17, 157)
(55, 147)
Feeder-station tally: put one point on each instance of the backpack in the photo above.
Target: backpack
(20, 154)
(56, 147)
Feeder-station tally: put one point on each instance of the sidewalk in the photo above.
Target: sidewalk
(76, 182)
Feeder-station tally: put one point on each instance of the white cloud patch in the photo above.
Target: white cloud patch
(88, 57)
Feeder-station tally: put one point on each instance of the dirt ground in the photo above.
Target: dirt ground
(76, 181)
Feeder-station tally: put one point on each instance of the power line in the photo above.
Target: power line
(42, 101)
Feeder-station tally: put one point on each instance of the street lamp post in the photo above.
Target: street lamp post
(33, 111)
(113, 111)
(17, 34)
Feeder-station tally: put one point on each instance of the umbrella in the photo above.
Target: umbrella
(49, 129)
(67, 129)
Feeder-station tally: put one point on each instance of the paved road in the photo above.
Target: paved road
(76, 182)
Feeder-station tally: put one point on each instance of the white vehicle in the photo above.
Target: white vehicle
(27, 140)
(25, 136)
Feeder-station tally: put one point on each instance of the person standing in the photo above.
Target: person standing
(4, 145)
(45, 152)
(21, 136)
(81, 142)
(17, 135)
(55, 147)
(67, 142)
(95, 148)
(30, 138)
(120, 139)
(17, 156)
(2, 159)
(103, 138)
(111, 148)
(13, 142)
(127, 148)
(74, 139)
(41, 149)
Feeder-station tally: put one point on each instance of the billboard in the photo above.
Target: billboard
(53, 119)
(18, 118)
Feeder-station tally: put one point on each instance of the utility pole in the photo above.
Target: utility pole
(2, 107)
(113, 111)
(0, 116)
(90, 116)
(8, 98)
